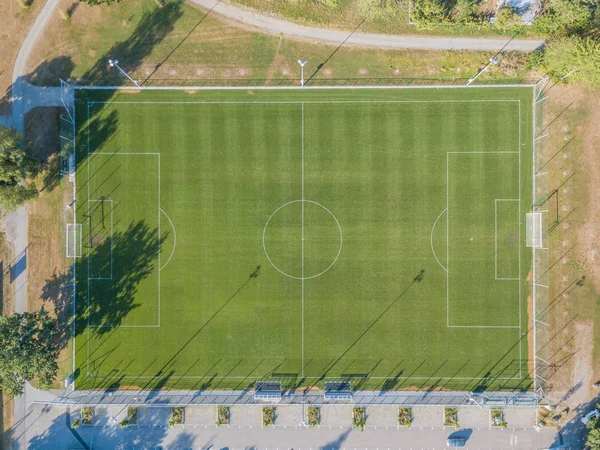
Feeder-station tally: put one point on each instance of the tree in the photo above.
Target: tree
(564, 17)
(508, 17)
(593, 439)
(15, 166)
(563, 55)
(28, 351)
(429, 12)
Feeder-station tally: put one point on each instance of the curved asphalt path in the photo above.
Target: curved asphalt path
(275, 25)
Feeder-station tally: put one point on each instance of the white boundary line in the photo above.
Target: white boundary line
(533, 250)
(124, 153)
(297, 102)
(302, 367)
(257, 377)
(520, 224)
(326, 87)
(496, 200)
(289, 88)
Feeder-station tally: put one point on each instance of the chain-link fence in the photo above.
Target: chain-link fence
(68, 168)
(310, 81)
(539, 288)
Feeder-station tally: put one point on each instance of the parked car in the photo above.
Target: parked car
(455, 442)
(589, 416)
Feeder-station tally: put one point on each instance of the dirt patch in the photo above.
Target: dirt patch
(587, 235)
(571, 115)
(42, 132)
(582, 374)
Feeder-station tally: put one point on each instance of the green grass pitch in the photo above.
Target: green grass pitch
(304, 236)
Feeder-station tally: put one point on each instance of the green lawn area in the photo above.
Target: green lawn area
(369, 235)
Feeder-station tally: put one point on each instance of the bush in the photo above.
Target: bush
(451, 417)
(313, 416)
(76, 424)
(268, 413)
(132, 413)
(497, 418)
(359, 417)
(404, 417)
(563, 55)
(507, 18)
(177, 416)
(87, 412)
(222, 415)
(25, 4)
(123, 423)
(565, 17)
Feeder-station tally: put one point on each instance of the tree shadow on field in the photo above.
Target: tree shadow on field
(134, 257)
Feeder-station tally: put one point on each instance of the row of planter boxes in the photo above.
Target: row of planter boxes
(359, 417)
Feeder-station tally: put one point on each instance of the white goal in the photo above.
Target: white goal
(534, 230)
(74, 240)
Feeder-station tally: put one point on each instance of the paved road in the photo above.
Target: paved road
(274, 25)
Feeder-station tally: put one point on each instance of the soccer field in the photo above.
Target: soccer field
(308, 235)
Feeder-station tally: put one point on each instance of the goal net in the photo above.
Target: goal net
(74, 240)
(534, 230)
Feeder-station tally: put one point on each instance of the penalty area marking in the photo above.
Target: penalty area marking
(431, 239)
(174, 239)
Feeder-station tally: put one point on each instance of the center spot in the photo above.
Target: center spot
(302, 239)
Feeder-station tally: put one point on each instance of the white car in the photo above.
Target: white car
(589, 416)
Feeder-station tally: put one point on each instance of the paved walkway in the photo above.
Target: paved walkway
(278, 26)
(23, 98)
(47, 429)
(365, 398)
(18, 89)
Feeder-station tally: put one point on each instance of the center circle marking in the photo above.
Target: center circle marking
(267, 253)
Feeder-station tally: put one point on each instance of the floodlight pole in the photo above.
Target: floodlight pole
(569, 74)
(302, 62)
(491, 61)
(115, 63)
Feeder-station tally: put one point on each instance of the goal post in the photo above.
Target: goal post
(74, 240)
(534, 230)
